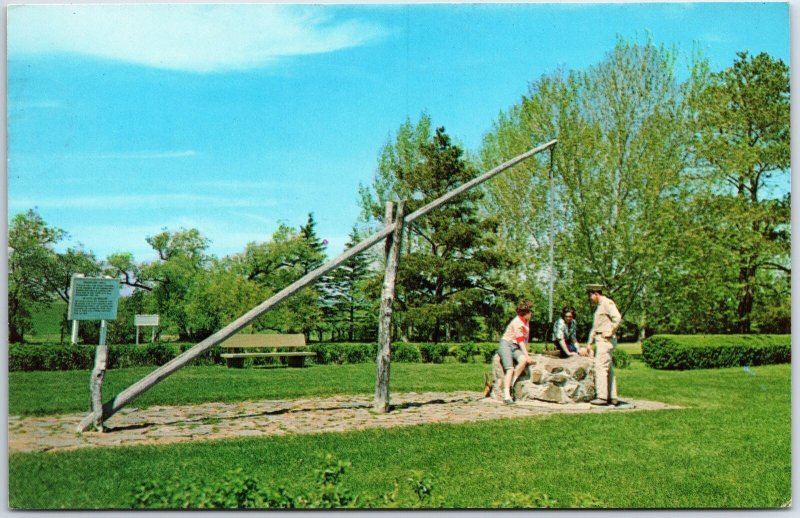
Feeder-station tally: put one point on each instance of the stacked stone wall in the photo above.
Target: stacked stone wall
(556, 380)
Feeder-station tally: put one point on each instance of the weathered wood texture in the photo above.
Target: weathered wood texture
(381, 403)
(268, 346)
(135, 390)
(96, 390)
(256, 340)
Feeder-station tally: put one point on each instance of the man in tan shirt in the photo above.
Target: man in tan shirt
(606, 321)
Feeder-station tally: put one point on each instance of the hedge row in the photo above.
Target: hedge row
(681, 352)
(61, 357)
(51, 357)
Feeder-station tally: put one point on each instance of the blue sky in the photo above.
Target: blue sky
(123, 120)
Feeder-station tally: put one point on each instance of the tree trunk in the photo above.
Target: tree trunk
(746, 278)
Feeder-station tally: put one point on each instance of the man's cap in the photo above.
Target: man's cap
(590, 288)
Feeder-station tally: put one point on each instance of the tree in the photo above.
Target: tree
(346, 297)
(37, 274)
(619, 165)
(182, 261)
(447, 275)
(218, 298)
(312, 257)
(742, 142)
(278, 263)
(30, 243)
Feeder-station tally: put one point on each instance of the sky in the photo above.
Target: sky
(127, 119)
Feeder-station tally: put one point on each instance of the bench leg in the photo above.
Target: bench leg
(236, 363)
(297, 361)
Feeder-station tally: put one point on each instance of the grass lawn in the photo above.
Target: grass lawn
(41, 393)
(632, 348)
(46, 321)
(731, 446)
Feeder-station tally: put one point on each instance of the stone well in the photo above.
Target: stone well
(557, 380)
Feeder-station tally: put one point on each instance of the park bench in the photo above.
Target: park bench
(265, 346)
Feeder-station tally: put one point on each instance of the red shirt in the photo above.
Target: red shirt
(517, 331)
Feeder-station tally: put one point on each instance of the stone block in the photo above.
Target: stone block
(557, 380)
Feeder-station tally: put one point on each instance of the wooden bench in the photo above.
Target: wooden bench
(266, 346)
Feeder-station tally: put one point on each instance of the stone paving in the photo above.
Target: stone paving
(174, 424)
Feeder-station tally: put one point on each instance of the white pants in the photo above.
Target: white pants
(604, 369)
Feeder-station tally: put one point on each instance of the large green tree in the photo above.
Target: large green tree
(619, 173)
(742, 143)
(447, 275)
(37, 273)
(182, 261)
(277, 263)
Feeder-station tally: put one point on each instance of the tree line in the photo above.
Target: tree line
(658, 188)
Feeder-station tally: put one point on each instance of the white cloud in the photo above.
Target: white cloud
(30, 104)
(196, 38)
(138, 201)
(247, 184)
(144, 155)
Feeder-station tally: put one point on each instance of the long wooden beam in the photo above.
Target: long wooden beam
(146, 383)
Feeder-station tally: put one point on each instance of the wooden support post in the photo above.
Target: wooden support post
(96, 384)
(96, 389)
(393, 242)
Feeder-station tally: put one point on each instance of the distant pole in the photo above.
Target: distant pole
(74, 337)
(551, 205)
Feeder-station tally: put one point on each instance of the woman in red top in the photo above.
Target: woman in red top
(514, 349)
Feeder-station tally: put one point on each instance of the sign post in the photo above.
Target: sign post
(93, 298)
(74, 336)
(146, 321)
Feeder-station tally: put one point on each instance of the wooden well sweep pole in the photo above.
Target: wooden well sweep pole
(144, 384)
(393, 242)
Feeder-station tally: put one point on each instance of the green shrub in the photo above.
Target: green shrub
(50, 357)
(680, 352)
(339, 353)
(463, 352)
(620, 358)
(406, 352)
(238, 490)
(61, 357)
(433, 353)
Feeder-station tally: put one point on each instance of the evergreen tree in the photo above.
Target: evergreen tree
(446, 279)
(348, 301)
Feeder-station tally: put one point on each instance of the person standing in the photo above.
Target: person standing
(513, 349)
(606, 322)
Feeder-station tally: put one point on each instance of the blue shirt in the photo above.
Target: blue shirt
(563, 331)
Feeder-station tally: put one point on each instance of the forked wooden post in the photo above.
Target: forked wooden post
(393, 242)
(129, 394)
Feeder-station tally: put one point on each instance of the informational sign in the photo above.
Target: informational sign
(92, 298)
(145, 320)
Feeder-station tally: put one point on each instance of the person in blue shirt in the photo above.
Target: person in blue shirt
(565, 335)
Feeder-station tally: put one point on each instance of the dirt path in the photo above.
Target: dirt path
(173, 424)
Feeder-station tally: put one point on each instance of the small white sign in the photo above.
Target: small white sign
(145, 320)
(93, 298)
